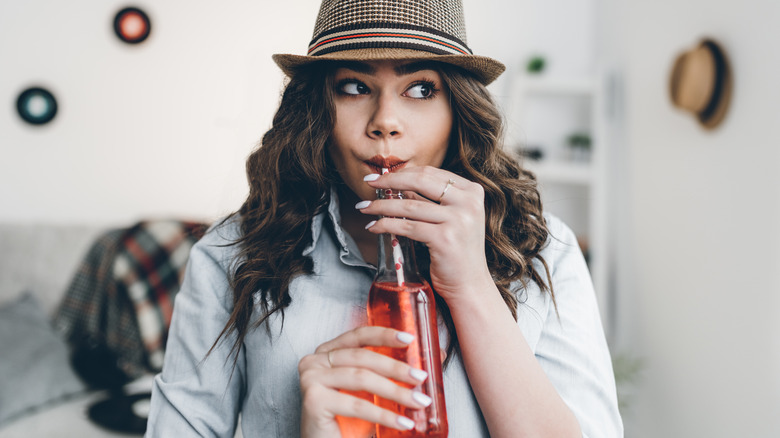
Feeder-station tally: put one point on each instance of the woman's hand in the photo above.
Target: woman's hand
(444, 211)
(342, 365)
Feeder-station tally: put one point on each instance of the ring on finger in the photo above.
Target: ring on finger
(330, 360)
(450, 183)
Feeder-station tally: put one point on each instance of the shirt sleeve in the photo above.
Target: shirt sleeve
(572, 348)
(195, 394)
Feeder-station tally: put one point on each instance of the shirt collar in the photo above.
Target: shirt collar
(335, 218)
(349, 253)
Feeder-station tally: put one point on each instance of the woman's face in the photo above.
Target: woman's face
(388, 114)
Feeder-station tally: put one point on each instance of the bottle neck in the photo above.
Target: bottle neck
(396, 261)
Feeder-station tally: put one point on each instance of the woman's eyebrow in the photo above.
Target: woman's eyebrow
(359, 67)
(413, 67)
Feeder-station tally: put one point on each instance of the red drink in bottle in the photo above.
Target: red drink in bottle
(411, 308)
(401, 299)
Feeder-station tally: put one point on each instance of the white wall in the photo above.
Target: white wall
(163, 128)
(698, 222)
(158, 129)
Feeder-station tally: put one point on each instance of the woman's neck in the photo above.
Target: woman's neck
(354, 222)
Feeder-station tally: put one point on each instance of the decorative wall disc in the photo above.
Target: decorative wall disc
(36, 106)
(132, 25)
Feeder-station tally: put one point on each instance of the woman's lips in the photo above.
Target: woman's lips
(377, 163)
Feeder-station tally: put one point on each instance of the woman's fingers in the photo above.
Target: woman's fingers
(369, 336)
(442, 240)
(428, 181)
(361, 358)
(452, 226)
(407, 194)
(361, 379)
(359, 408)
(333, 378)
(423, 232)
(414, 209)
(346, 405)
(464, 206)
(344, 363)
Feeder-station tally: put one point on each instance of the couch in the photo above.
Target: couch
(40, 393)
(40, 260)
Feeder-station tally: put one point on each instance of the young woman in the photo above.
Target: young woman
(270, 322)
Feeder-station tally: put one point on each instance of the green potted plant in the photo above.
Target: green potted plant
(579, 144)
(535, 65)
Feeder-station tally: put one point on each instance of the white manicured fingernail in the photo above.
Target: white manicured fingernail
(371, 177)
(404, 337)
(370, 224)
(362, 204)
(406, 423)
(421, 398)
(418, 375)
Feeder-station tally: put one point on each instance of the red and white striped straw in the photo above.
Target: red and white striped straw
(398, 256)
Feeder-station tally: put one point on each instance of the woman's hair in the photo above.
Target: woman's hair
(290, 176)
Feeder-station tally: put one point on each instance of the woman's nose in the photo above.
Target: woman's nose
(385, 121)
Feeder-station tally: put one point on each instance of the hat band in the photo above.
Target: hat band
(720, 76)
(387, 35)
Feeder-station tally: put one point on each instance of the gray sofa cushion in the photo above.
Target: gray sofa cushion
(34, 368)
(42, 258)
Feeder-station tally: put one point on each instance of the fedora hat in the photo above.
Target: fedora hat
(701, 83)
(365, 30)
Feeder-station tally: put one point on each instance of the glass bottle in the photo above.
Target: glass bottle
(402, 299)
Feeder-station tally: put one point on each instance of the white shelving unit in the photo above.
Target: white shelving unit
(541, 86)
(546, 111)
(562, 172)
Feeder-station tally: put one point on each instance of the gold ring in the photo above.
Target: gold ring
(330, 361)
(450, 183)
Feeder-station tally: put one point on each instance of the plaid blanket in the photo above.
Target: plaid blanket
(123, 291)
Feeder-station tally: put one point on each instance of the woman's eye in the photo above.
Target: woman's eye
(421, 91)
(353, 88)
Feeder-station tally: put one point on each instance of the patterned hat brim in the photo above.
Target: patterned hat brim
(485, 69)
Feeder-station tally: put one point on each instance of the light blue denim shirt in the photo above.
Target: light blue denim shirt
(194, 396)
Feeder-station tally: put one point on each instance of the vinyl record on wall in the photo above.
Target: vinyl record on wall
(36, 106)
(132, 25)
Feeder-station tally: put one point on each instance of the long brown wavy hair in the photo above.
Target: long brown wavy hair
(290, 175)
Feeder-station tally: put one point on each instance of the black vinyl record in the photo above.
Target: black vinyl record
(36, 106)
(132, 25)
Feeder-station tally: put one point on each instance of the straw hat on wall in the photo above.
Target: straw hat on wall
(701, 83)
